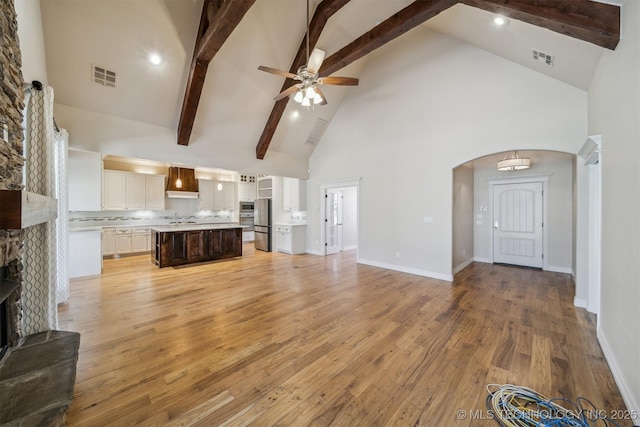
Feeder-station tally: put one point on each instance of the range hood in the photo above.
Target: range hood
(189, 187)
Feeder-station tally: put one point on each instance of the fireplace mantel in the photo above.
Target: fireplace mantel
(20, 209)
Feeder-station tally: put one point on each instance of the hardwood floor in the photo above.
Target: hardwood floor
(271, 339)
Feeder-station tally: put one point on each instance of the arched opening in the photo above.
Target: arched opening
(572, 213)
(475, 218)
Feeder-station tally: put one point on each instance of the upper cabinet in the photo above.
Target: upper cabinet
(135, 191)
(154, 192)
(114, 191)
(294, 194)
(217, 195)
(132, 191)
(247, 188)
(205, 197)
(224, 196)
(265, 187)
(85, 181)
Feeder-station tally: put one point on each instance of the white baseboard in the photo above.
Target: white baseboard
(580, 303)
(630, 400)
(462, 266)
(485, 260)
(349, 248)
(556, 269)
(315, 252)
(410, 270)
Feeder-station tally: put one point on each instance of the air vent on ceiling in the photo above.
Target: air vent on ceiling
(317, 131)
(543, 57)
(102, 76)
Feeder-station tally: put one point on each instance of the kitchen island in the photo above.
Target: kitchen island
(182, 244)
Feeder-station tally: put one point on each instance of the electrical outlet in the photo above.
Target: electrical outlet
(398, 254)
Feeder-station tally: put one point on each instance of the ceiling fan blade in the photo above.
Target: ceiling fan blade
(277, 72)
(321, 95)
(291, 90)
(340, 81)
(315, 61)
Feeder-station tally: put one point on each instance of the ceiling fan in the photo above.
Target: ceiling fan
(307, 91)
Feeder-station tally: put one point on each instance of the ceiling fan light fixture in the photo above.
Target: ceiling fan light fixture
(514, 163)
(307, 92)
(317, 99)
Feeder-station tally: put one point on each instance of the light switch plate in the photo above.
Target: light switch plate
(428, 219)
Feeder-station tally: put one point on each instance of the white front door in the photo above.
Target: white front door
(333, 221)
(517, 224)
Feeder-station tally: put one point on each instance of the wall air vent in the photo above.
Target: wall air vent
(545, 58)
(317, 131)
(102, 76)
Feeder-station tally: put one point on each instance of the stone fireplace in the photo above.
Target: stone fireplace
(11, 160)
(37, 372)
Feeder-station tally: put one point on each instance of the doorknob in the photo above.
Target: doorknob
(496, 225)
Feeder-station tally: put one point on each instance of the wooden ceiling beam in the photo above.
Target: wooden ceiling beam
(218, 20)
(597, 23)
(323, 12)
(593, 22)
(408, 18)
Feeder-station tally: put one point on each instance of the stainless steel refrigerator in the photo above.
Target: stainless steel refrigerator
(262, 224)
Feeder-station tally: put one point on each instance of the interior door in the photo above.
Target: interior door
(517, 224)
(333, 221)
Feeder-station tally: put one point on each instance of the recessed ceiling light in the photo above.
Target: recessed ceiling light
(155, 59)
(295, 114)
(499, 20)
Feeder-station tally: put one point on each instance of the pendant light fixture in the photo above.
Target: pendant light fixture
(514, 163)
(178, 181)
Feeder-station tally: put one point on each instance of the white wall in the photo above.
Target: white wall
(560, 204)
(614, 108)
(34, 63)
(426, 104)
(128, 138)
(463, 215)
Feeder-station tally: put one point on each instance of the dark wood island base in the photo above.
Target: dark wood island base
(180, 245)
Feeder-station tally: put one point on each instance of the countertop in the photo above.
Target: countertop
(85, 229)
(194, 227)
(291, 224)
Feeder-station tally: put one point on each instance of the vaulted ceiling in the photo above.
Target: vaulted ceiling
(208, 85)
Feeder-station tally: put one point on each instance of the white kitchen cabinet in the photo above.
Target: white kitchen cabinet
(248, 236)
(154, 192)
(135, 191)
(217, 195)
(139, 240)
(124, 241)
(294, 194)
(291, 238)
(205, 198)
(114, 191)
(85, 181)
(265, 187)
(132, 191)
(247, 188)
(84, 253)
(108, 241)
(224, 196)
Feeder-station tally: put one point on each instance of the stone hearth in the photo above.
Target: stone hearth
(37, 379)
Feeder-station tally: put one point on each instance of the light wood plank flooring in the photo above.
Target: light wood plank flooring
(272, 339)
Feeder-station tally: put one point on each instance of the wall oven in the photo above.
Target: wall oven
(246, 215)
(246, 207)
